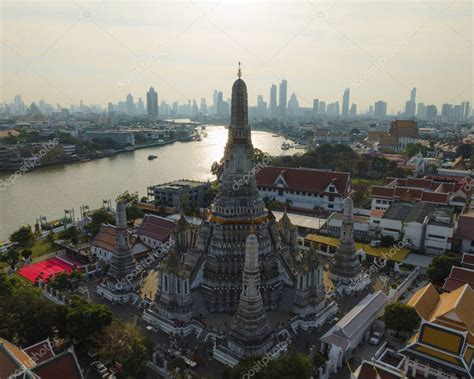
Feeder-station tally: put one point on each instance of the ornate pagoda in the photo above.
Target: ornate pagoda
(345, 266)
(122, 279)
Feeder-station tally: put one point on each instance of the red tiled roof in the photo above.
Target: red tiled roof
(367, 371)
(40, 351)
(106, 238)
(304, 179)
(385, 192)
(468, 260)
(466, 226)
(434, 197)
(392, 191)
(156, 227)
(61, 366)
(458, 277)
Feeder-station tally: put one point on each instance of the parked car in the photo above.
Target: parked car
(99, 368)
(375, 338)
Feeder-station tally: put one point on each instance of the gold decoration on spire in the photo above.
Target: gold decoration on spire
(239, 72)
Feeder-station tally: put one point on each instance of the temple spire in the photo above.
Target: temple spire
(239, 72)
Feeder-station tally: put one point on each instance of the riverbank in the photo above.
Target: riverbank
(84, 159)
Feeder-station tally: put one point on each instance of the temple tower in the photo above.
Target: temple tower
(237, 206)
(346, 265)
(250, 333)
(122, 278)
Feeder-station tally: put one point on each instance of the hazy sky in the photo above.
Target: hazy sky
(64, 51)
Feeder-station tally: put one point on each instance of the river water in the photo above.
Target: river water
(50, 190)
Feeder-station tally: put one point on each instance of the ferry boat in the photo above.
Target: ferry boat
(285, 146)
(151, 157)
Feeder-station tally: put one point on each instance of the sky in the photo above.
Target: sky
(99, 51)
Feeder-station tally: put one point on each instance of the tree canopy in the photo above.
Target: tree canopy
(401, 317)
(84, 319)
(440, 267)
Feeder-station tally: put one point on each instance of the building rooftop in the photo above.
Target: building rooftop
(458, 277)
(303, 179)
(418, 211)
(180, 184)
(398, 256)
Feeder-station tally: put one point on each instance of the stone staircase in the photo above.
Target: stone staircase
(199, 304)
(286, 299)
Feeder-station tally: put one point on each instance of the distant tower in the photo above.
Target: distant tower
(273, 100)
(130, 104)
(345, 265)
(152, 103)
(315, 106)
(353, 111)
(413, 95)
(283, 98)
(121, 282)
(345, 103)
(250, 332)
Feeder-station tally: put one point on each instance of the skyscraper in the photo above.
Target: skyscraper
(345, 103)
(410, 105)
(283, 97)
(141, 106)
(152, 103)
(273, 100)
(353, 111)
(130, 104)
(380, 109)
(315, 106)
(413, 95)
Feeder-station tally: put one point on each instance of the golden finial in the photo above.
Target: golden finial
(239, 72)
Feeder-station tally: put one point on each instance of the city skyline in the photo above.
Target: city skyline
(271, 50)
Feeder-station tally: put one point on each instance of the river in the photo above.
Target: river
(49, 191)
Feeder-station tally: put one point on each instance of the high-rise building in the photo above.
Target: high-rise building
(152, 103)
(413, 95)
(345, 103)
(141, 106)
(261, 106)
(283, 98)
(380, 109)
(466, 110)
(220, 104)
(293, 106)
(421, 111)
(431, 112)
(315, 106)
(203, 106)
(273, 100)
(130, 105)
(447, 111)
(410, 105)
(353, 111)
(322, 107)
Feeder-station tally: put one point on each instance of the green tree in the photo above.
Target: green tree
(133, 212)
(26, 315)
(124, 343)
(12, 257)
(84, 319)
(23, 237)
(440, 267)
(70, 233)
(413, 148)
(401, 317)
(128, 198)
(99, 217)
